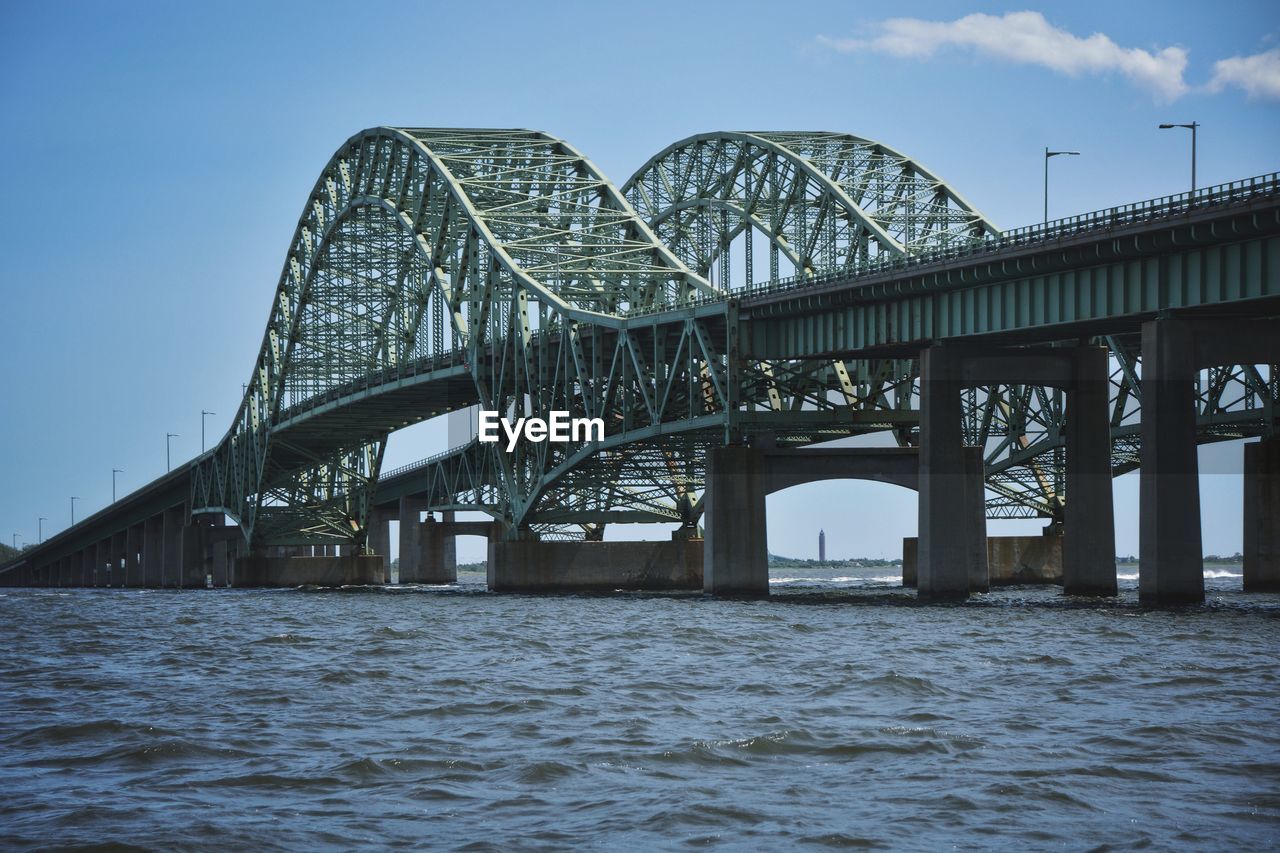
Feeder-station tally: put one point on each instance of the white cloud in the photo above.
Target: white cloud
(1258, 75)
(1026, 37)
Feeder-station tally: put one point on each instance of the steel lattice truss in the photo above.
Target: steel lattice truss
(816, 201)
(428, 256)
(435, 269)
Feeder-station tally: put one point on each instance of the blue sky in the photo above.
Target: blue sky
(157, 155)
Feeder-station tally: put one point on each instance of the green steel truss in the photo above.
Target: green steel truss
(813, 201)
(438, 269)
(423, 255)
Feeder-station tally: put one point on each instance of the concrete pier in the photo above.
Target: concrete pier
(1011, 560)
(975, 520)
(133, 574)
(153, 551)
(735, 550)
(532, 566)
(172, 524)
(949, 556)
(411, 510)
(946, 549)
(194, 574)
(1170, 557)
(378, 538)
(1088, 546)
(735, 547)
(433, 554)
(115, 575)
(1262, 516)
(260, 570)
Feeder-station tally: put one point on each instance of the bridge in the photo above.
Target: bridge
(433, 270)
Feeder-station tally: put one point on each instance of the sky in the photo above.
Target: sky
(157, 156)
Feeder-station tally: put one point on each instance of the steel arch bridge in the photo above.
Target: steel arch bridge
(437, 269)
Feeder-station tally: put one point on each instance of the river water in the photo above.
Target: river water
(839, 712)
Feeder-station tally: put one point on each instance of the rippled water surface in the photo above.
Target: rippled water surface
(838, 712)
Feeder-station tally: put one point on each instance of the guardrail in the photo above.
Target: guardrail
(423, 463)
(1150, 210)
(373, 379)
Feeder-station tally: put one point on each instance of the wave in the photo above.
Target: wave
(1210, 574)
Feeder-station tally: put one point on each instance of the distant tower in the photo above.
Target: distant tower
(822, 546)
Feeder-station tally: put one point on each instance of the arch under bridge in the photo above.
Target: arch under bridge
(771, 288)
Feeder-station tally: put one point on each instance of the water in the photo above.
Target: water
(837, 713)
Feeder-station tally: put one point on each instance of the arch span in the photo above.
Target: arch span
(823, 201)
(420, 253)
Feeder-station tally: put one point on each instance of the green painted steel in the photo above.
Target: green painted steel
(495, 266)
(440, 269)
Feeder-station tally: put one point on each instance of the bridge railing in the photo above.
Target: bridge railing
(424, 463)
(1164, 207)
(1146, 211)
(375, 378)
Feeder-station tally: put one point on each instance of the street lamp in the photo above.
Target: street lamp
(167, 438)
(1047, 155)
(73, 510)
(15, 541)
(203, 414)
(41, 523)
(1192, 127)
(114, 471)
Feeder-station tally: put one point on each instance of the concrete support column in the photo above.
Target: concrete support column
(411, 562)
(195, 555)
(102, 563)
(378, 539)
(449, 545)
(437, 561)
(118, 543)
(153, 551)
(1170, 555)
(218, 563)
(133, 574)
(944, 550)
(1262, 516)
(735, 545)
(976, 526)
(171, 566)
(1089, 528)
(86, 566)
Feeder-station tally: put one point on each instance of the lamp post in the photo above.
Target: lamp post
(114, 471)
(203, 415)
(41, 523)
(15, 541)
(168, 437)
(1192, 127)
(73, 510)
(1047, 155)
